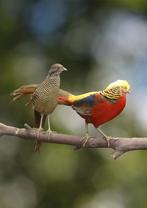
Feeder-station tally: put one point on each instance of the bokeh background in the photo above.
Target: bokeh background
(99, 41)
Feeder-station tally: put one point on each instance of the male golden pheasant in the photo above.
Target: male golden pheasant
(99, 107)
(96, 107)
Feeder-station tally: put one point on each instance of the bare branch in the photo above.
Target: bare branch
(119, 145)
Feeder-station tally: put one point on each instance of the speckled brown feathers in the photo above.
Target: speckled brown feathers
(44, 98)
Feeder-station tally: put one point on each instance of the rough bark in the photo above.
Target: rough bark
(119, 145)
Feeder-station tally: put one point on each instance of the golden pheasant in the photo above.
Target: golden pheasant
(99, 107)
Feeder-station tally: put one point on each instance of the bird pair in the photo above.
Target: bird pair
(96, 107)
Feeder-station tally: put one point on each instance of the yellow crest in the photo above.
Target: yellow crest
(119, 83)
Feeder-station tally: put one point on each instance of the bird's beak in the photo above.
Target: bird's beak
(64, 69)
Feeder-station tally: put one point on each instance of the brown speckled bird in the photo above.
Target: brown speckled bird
(44, 98)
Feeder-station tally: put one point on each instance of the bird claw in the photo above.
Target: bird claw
(83, 141)
(49, 133)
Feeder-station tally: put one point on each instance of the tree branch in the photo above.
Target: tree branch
(119, 145)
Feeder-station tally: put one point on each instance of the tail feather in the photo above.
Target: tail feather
(22, 91)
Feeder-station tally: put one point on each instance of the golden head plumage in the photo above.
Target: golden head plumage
(115, 89)
(119, 83)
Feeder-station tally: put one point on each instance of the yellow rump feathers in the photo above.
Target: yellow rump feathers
(73, 98)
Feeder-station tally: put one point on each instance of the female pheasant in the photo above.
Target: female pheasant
(44, 97)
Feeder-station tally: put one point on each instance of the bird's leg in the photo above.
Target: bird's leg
(41, 121)
(48, 122)
(104, 136)
(49, 126)
(38, 143)
(84, 139)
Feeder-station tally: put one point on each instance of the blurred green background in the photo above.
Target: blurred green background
(99, 41)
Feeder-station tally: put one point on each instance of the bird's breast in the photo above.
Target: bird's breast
(106, 111)
(45, 96)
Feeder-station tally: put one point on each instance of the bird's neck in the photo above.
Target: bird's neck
(53, 77)
(113, 94)
(52, 80)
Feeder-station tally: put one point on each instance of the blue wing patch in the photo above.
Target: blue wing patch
(88, 101)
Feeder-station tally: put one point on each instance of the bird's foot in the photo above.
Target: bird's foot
(49, 133)
(83, 141)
